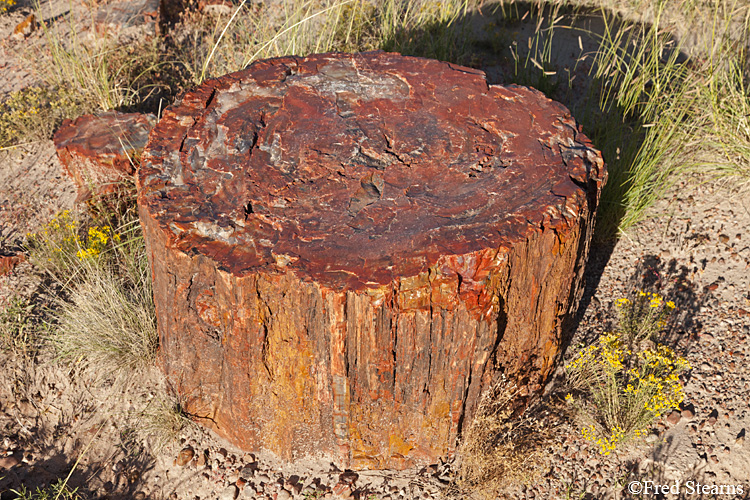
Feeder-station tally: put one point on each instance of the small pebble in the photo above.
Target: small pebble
(229, 493)
(674, 417)
(184, 457)
(688, 413)
(740, 440)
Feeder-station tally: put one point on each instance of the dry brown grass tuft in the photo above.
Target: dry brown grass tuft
(108, 324)
(162, 422)
(503, 448)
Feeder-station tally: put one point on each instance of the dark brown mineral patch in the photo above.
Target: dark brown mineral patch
(349, 249)
(99, 152)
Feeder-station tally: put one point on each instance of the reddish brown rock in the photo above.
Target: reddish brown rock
(9, 262)
(674, 417)
(348, 250)
(25, 28)
(99, 152)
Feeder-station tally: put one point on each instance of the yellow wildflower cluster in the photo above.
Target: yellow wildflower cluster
(34, 112)
(98, 237)
(63, 222)
(623, 391)
(643, 316)
(655, 380)
(607, 444)
(608, 352)
(6, 4)
(654, 300)
(59, 236)
(62, 245)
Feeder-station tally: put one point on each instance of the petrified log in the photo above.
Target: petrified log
(99, 151)
(347, 249)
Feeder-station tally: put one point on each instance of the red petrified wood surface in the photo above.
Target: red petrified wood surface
(348, 249)
(99, 152)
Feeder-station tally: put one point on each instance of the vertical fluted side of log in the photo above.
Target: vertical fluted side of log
(386, 377)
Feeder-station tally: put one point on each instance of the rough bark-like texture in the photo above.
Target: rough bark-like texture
(99, 152)
(348, 249)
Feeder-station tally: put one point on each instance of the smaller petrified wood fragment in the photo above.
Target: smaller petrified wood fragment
(99, 152)
(347, 250)
(128, 18)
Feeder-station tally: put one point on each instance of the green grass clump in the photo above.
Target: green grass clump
(645, 97)
(625, 381)
(108, 323)
(105, 314)
(105, 74)
(655, 113)
(216, 45)
(86, 76)
(56, 491)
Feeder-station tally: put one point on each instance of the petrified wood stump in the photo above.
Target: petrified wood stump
(348, 249)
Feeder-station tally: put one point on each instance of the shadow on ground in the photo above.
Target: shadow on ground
(555, 49)
(50, 430)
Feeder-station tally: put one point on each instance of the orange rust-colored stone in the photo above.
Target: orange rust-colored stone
(9, 262)
(348, 249)
(100, 151)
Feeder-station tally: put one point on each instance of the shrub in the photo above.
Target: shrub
(162, 422)
(502, 446)
(105, 312)
(34, 113)
(626, 380)
(643, 316)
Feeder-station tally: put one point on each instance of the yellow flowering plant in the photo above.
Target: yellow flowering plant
(65, 245)
(102, 301)
(51, 248)
(33, 113)
(643, 315)
(6, 4)
(620, 388)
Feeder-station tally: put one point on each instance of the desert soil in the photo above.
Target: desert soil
(694, 247)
